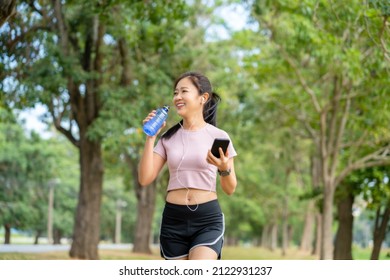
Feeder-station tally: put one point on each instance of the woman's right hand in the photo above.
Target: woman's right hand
(149, 117)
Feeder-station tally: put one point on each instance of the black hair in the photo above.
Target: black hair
(203, 85)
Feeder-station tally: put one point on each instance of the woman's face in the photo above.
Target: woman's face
(186, 98)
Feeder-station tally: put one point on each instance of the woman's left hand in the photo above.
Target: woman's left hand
(222, 163)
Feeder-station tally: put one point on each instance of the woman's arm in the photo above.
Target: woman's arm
(150, 164)
(229, 182)
(224, 163)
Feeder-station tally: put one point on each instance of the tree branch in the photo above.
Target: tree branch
(382, 40)
(62, 29)
(98, 64)
(334, 117)
(76, 103)
(323, 78)
(302, 81)
(124, 60)
(340, 133)
(380, 157)
(311, 131)
(322, 145)
(7, 10)
(355, 144)
(57, 119)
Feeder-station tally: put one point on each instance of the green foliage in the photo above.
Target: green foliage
(376, 187)
(258, 72)
(13, 167)
(381, 6)
(27, 164)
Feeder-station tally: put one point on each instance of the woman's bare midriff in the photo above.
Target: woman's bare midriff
(190, 196)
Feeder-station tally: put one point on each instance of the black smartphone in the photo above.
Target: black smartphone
(219, 142)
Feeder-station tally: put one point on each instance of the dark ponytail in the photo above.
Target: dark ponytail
(210, 109)
(203, 85)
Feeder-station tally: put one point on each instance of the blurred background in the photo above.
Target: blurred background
(305, 99)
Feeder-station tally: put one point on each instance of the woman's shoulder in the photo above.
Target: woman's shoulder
(218, 132)
(173, 138)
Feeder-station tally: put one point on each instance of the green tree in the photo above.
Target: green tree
(64, 72)
(67, 59)
(372, 185)
(337, 86)
(66, 173)
(376, 191)
(13, 180)
(27, 164)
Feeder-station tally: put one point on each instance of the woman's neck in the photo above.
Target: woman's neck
(193, 124)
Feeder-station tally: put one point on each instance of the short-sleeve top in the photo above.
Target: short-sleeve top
(186, 153)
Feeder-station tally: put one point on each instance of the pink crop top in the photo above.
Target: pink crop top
(186, 152)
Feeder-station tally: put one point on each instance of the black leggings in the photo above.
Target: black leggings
(183, 230)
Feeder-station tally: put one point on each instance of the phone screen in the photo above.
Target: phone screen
(219, 142)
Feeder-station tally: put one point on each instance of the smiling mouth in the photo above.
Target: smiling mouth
(180, 105)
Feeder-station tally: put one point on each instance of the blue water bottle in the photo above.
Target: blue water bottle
(152, 126)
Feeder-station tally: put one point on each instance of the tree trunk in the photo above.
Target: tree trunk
(290, 235)
(308, 228)
(285, 238)
(313, 218)
(285, 225)
(264, 237)
(327, 222)
(380, 229)
(7, 234)
(87, 223)
(57, 235)
(36, 238)
(273, 236)
(317, 247)
(256, 242)
(231, 241)
(85, 107)
(146, 201)
(236, 241)
(344, 236)
(285, 230)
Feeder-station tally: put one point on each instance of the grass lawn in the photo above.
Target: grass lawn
(228, 253)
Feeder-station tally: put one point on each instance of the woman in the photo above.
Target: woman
(192, 224)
